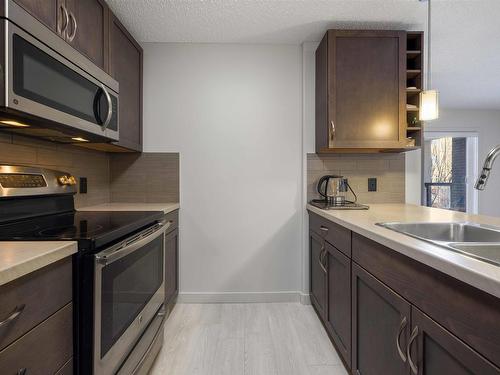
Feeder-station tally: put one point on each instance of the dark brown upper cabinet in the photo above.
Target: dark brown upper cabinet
(82, 23)
(49, 12)
(90, 27)
(125, 65)
(361, 91)
(87, 29)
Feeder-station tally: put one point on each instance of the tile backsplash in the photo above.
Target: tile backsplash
(146, 177)
(72, 159)
(124, 177)
(389, 169)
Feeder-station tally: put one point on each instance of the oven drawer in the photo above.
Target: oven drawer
(33, 298)
(45, 349)
(142, 357)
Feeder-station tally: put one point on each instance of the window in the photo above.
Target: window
(450, 162)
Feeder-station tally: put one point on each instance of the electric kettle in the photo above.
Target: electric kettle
(334, 189)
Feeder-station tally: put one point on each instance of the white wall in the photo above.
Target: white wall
(308, 142)
(234, 112)
(413, 177)
(487, 124)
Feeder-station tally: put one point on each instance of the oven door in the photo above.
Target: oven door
(129, 289)
(43, 83)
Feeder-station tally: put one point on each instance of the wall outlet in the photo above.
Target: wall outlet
(372, 184)
(83, 185)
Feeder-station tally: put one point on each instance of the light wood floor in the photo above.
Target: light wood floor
(246, 339)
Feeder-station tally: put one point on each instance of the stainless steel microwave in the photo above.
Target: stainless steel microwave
(51, 90)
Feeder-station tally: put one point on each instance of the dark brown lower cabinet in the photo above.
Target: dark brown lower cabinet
(317, 273)
(380, 327)
(171, 265)
(43, 350)
(435, 351)
(388, 314)
(338, 322)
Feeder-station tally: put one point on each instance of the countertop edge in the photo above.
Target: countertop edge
(460, 272)
(60, 251)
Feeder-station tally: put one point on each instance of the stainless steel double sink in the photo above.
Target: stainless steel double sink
(475, 240)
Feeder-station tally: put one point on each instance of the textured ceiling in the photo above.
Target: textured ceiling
(465, 49)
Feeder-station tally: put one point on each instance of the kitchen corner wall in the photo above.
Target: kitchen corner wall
(389, 169)
(124, 177)
(234, 113)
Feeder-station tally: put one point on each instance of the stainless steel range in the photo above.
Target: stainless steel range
(119, 273)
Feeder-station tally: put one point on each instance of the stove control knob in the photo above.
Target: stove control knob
(67, 180)
(63, 180)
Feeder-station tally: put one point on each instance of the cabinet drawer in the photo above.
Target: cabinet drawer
(45, 349)
(42, 293)
(469, 313)
(335, 234)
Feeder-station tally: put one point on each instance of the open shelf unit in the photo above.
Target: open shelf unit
(414, 84)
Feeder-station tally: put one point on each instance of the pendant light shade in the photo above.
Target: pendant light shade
(429, 99)
(429, 105)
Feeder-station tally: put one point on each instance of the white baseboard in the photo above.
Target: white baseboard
(248, 297)
(305, 299)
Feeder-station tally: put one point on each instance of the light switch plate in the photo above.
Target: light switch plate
(83, 185)
(372, 184)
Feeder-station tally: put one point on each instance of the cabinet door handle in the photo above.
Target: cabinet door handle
(72, 35)
(413, 336)
(320, 258)
(12, 317)
(398, 338)
(64, 24)
(332, 132)
(324, 229)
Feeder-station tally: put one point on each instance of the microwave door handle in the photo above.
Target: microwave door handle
(116, 252)
(110, 107)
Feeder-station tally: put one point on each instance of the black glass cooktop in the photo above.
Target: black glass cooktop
(90, 228)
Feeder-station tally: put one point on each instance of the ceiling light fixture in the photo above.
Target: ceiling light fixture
(14, 123)
(429, 99)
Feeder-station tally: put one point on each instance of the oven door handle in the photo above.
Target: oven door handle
(132, 244)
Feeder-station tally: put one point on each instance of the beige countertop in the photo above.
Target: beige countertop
(482, 275)
(165, 207)
(20, 258)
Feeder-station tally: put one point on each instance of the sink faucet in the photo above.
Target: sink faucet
(488, 164)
